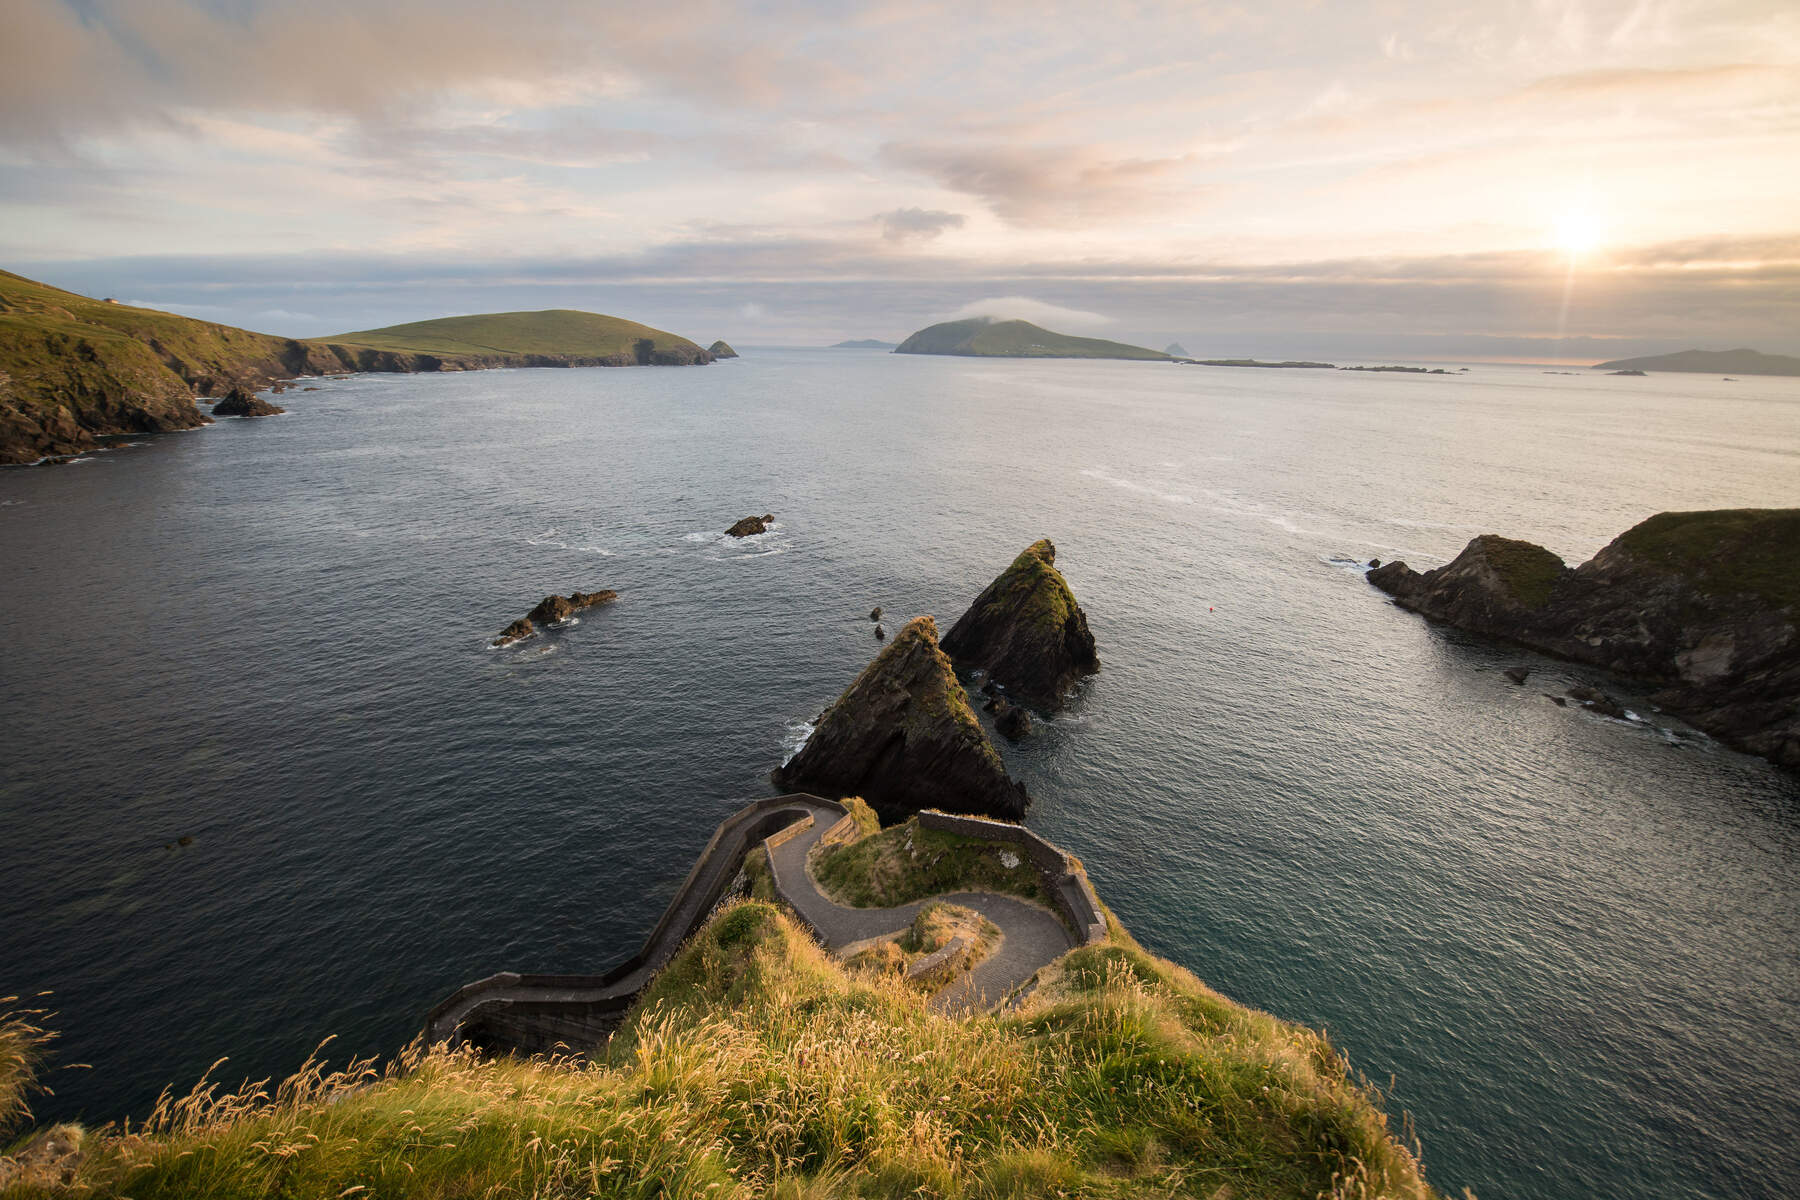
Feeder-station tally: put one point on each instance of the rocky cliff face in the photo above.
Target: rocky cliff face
(904, 738)
(1027, 632)
(1703, 606)
(241, 402)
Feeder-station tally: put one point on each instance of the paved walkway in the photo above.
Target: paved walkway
(1032, 937)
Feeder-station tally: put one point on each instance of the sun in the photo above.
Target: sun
(1579, 232)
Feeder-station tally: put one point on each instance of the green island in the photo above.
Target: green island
(74, 370)
(1742, 361)
(984, 337)
(758, 1063)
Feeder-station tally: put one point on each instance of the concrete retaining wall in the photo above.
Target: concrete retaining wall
(1064, 879)
(540, 1013)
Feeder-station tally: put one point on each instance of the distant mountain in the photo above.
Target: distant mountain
(1709, 362)
(981, 337)
(74, 369)
(1175, 350)
(863, 344)
(555, 337)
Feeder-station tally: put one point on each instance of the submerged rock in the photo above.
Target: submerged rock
(903, 737)
(875, 613)
(1704, 607)
(751, 525)
(1517, 674)
(1012, 720)
(239, 402)
(1026, 631)
(518, 631)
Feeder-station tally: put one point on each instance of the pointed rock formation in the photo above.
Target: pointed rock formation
(1027, 632)
(1703, 606)
(720, 350)
(904, 738)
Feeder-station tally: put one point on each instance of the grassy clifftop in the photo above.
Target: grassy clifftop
(756, 1064)
(561, 332)
(982, 337)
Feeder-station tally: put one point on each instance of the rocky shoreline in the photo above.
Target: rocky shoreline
(1703, 607)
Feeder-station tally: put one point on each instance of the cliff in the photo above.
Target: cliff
(758, 1064)
(903, 737)
(74, 369)
(1026, 631)
(984, 337)
(1704, 607)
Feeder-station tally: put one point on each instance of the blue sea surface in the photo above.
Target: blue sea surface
(1568, 947)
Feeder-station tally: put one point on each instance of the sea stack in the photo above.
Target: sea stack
(1702, 606)
(720, 350)
(240, 402)
(904, 738)
(750, 526)
(1027, 632)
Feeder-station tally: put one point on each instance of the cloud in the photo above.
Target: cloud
(906, 224)
(1051, 186)
(1023, 308)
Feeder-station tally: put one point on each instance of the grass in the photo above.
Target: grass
(936, 926)
(557, 331)
(981, 337)
(22, 1041)
(756, 1065)
(1726, 552)
(1034, 590)
(906, 862)
(1529, 571)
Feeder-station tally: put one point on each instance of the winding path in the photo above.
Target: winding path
(544, 1013)
(1031, 937)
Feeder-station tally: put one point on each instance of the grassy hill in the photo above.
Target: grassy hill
(1709, 362)
(756, 1065)
(555, 332)
(982, 337)
(74, 369)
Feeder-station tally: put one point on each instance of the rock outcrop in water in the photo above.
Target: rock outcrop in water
(1702, 606)
(750, 526)
(551, 610)
(904, 738)
(719, 349)
(241, 402)
(518, 631)
(1027, 632)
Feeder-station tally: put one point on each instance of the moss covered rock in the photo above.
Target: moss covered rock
(1702, 606)
(1026, 631)
(904, 738)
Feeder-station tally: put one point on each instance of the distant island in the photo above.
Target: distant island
(1709, 362)
(1251, 362)
(864, 344)
(984, 337)
(74, 369)
(1175, 350)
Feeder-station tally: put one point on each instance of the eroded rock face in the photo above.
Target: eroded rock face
(1027, 632)
(241, 402)
(1703, 606)
(518, 631)
(904, 738)
(751, 525)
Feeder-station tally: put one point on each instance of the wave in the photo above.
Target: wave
(553, 538)
(794, 739)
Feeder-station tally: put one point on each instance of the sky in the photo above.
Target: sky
(1540, 179)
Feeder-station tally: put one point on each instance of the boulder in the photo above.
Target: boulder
(518, 631)
(751, 525)
(1012, 720)
(1026, 631)
(875, 613)
(1373, 563)
(880, 634)
(239, 402)
(1703, 608)
(904, 738)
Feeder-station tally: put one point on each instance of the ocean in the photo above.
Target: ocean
(1567, 947)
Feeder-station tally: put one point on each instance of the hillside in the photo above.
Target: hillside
(556, 333)
(1709, 362)
(74, 369)
(758, 1064)
(982, 337)
(863, 344)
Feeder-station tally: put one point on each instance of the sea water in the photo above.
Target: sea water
(1568, 947)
